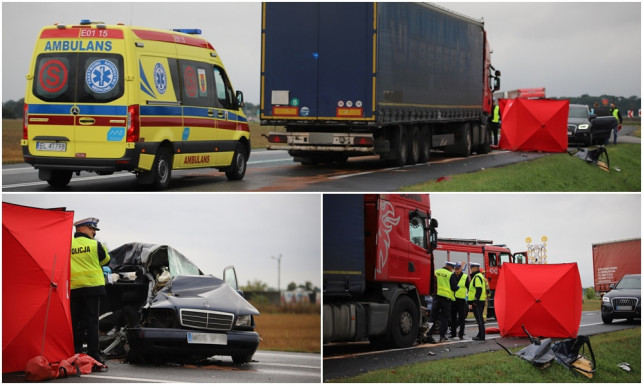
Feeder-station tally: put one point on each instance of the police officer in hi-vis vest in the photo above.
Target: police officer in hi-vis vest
(459, 307)
(87, 284)
(477, 297)
(447, 286)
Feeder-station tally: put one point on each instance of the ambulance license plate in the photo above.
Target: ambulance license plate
(624, 308)
(51, 146)
(207, 338)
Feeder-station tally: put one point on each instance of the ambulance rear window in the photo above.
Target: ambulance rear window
(79, 77)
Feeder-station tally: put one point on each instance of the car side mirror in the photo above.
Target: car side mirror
(612, 286)
(592, 117)
(240, 101)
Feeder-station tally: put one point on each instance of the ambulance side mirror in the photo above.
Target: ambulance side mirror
(240, 101)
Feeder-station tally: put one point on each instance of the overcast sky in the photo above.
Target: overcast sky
(569, 48)
(212, 230)
(571, 222)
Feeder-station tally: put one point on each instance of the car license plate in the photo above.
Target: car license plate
(624, 308)
(51, 146)
(207, 338)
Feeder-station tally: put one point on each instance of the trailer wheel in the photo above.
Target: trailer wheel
(414, 146)
(404, 323)
(425, 144)
(400, 146)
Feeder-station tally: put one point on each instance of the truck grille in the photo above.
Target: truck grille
(203, 319)
(625, 302)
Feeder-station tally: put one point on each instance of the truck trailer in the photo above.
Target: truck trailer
(378, 267)
(391, 79)
(490, 257)
(612, 260)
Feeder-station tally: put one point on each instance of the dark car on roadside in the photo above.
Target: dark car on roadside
(161, 308)
(585, 128)
(624, 300)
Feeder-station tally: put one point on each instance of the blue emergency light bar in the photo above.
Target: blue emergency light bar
(190, 31)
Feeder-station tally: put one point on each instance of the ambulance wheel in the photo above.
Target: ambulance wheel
(237, 169)
(162, 169)
(59, 178)
(404, 323)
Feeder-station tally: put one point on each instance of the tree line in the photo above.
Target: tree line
(14, 109)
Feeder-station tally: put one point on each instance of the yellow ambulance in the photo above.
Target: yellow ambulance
(106, 98)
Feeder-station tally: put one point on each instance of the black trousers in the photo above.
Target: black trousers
(84, 317)
(478, 308)
(494, 131)
(458, 315)
(441, 311)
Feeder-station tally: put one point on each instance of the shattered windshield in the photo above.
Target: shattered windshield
(630, 282)
(179, 265)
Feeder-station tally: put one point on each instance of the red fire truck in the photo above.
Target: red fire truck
(490, 257)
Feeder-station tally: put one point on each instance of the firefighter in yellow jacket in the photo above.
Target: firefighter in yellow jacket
(87, 284)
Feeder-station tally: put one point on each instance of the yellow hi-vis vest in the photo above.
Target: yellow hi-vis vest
(477, 281)
(496, 114)
(86, 270)
(462, 291)
(444, 286)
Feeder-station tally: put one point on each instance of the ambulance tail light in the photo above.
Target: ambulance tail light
(25, 119)
(133, 123)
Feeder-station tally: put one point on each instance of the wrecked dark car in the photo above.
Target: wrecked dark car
(161, 308)
(587, 129)
(624, 300)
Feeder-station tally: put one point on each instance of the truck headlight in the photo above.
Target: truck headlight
(606, 299)
(244, 320)
(583, 126)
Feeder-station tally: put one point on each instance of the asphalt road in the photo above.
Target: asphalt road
(275, 171)
(347, 360)
(267, 366)
(270, 171)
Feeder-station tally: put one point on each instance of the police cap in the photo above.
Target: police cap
(452, 264)
(473, 264)
(90, 222)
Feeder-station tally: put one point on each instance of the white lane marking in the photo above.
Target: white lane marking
(133, 379)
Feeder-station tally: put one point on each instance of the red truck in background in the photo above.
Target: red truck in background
(490, 257)
(378, 267)
(612, 260)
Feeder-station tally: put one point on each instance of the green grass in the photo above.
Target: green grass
(610, 349)
(553, 172)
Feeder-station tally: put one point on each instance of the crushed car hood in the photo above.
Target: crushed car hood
(203, 292)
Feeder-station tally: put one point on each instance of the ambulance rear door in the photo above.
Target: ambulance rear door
(79, 106)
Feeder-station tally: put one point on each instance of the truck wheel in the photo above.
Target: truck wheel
(400, 147)
(485, 146)
(414, 146)
(464, 145)
(425, 144)
(59, 178)
(237, 169)
(404, 323)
